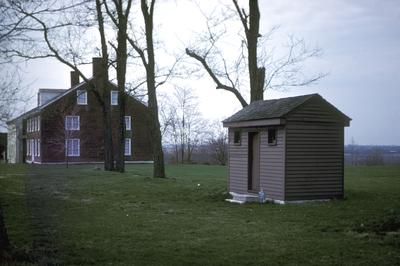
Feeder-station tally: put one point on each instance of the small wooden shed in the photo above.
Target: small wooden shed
(291, 149)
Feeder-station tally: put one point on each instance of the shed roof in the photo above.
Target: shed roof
(276, 108)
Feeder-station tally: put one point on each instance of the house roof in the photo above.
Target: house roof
(276, 108)
(63, 92)
(37, 109)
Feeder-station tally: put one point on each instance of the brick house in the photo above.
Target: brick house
(67, 125)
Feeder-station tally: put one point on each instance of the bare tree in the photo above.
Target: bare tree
(183, 124)
(12, 96)
(147, 57)
(12, 93)
(40, 35)
(263, 69)
(119, 16)
(218, 144)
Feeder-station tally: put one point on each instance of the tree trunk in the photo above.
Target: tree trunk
(158, 155)
(121, 77)
(101, 82)
(257, 75)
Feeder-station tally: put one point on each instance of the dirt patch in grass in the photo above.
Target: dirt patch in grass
(385, 224)
(385, 229)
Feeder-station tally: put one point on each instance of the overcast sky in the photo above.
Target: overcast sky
(360, 41)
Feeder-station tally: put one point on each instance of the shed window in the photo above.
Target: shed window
(236, 137)
(272, 136)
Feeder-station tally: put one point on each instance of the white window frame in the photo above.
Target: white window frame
(28, 147)
(81, 93)
(114, 97)
(34, 147)
(70, 126)
(38, 147)
(129, 151)
(73, 152)
(128, 122)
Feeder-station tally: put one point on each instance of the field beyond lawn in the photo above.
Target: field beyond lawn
(85, 216)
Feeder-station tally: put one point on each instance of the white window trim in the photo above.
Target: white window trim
(28, 147)
(72, 124)
(129, 152)
(114, 101)
(70, 153)
(38, 151)
(79, 93)
(128, 126)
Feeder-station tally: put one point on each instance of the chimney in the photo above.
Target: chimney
(97, 65)
(74, 78)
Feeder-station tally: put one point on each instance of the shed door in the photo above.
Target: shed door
(254, 162)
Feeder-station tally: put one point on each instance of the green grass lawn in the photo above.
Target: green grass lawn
(84, 216)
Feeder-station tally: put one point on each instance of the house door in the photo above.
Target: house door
(254, 162)
(24, 150)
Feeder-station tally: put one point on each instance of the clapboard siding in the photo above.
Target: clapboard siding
(314, 160)
(238, 156)
(316, 110)
(272, 165)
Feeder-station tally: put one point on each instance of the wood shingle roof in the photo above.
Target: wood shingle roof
(276, 108)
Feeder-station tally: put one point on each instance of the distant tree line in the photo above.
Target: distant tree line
(371, 154)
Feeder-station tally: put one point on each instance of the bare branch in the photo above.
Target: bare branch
(214, 77)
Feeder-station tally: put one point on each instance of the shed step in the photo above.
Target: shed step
(235, 201)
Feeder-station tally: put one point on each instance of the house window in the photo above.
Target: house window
(38, 147)
(81, 97)
(272, 136)
(38, 118)
(236, 137)
(72, 147)
(127, 147)
(127, 122)
(72, 122)
(34, 147)
(28, 147)
(28, 125)
(114, 97)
